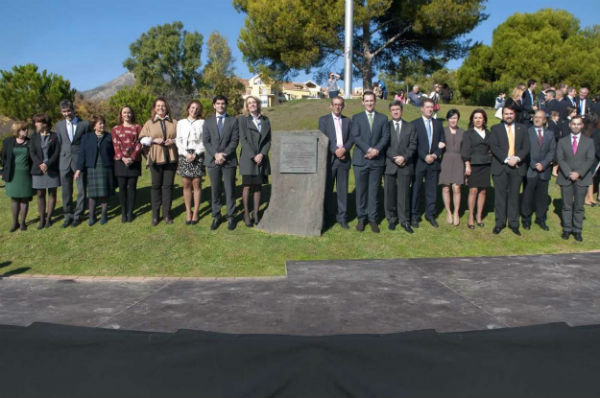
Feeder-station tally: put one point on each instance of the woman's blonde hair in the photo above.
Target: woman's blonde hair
(246, 104)
(517, 93)
(18, 126)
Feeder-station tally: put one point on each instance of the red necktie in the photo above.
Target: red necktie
(540, 137)
(574, 144)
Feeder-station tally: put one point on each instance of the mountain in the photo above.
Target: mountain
(105, 91)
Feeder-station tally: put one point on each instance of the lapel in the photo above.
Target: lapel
(332, 128)
(345, 128)
(78, 130)
(252, 131)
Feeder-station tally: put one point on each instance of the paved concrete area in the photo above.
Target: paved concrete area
(328, 297)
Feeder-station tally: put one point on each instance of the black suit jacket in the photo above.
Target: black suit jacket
(528, 102)
(37, 155)
(327, 127)
(499, 147)
(226, 142)
(89, 150)
(588, 105)
(475, 149)
(364, 138)
(543, 154)
(405, 145)
(423, 150)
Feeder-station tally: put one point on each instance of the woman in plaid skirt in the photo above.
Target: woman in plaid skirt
(96, 155)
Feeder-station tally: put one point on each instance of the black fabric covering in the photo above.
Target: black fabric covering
(46, 360)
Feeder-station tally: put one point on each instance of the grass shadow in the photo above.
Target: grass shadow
(16, 271)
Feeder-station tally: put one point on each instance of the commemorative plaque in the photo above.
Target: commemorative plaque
(298, 174)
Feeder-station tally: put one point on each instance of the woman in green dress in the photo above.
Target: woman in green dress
(17, 174)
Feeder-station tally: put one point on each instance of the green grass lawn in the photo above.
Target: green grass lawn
(135, 249)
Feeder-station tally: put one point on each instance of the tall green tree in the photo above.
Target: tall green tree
(24, 92)
(290, 35)
(548, 45)
(140, 99)
(167, 58)
(218, 76)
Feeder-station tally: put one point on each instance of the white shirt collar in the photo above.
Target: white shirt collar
(336, 117)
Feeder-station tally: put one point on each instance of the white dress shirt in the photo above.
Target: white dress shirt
(189, 136)
(337, 122)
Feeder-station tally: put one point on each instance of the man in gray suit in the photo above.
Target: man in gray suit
(220, 138)
(371, 134)
(542, 148)
(337, 128)
(69, 131)
(399, 169)
(575, 154)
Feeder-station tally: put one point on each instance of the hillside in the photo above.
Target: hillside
(105, 91)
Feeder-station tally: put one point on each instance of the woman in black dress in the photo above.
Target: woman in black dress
(45, 153)
(476, 154)
(255, 139)
(17, 174)
(96, 155)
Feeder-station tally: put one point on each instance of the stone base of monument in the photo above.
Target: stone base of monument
(298, 168)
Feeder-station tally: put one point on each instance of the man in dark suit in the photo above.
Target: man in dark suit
(371, 134)
(337, 128)
(69, 131)
(551, 104)
(528, 98)
(430, 146)
(399, 169)
(575, 154)
(509, 144)
(584, 104)
(542, 148)
(568, 101)
(220, 137)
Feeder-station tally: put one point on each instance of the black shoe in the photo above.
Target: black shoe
(407, 227)
(66, 223)
(565, 235)
(578, 237)
(527, 225)
(154, 222)
(215, 223)
(14, 228)
(496, 230)
(414, 224)
(392, 225)
(194, 222)
(471, 226)
(542, 225)
(41, 225)
(344, 225)
(24, 227)
(103, 220)
(480, 224)
(231, 224)
(515, 231)
(123, 218)
(75, 222)
(360, 226)
(432, 221)
(48, 223)
(374, 226)
(168, 220)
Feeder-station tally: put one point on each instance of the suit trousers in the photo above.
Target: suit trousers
(337, 174)
(431, 183)
(368, 183)
(506, 198)
(67, 195)
(161, 193)
(535, 194)
(226, 176)
(396, 199)
(573, 198)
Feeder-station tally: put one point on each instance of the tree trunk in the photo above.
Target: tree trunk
(366, 67)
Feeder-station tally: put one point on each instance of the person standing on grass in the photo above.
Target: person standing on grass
(509, 143)
(128, 160)
(44, 152)
(17, 174)
(399, 169)
(158, 134)
(255, 140)
(541, 155)
(430, 146)
(191, 159)
(452, 174)
(220, 137)
(96, 158)
(337, 128)
(475, 152)
(70, 130)
(371, 134)
(575, 155)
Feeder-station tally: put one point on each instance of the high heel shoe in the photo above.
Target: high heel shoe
(247, 220)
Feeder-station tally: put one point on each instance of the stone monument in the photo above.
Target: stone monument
(298, 173)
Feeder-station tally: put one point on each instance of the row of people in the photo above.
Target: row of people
(82, 153)
(419, 155)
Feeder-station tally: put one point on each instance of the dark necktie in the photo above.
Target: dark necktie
(220, 124)
(540, 136)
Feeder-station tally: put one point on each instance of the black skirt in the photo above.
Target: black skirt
(133, 170)
(480, 176)
(254, 179)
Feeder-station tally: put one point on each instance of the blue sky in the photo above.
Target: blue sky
(87, 41)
